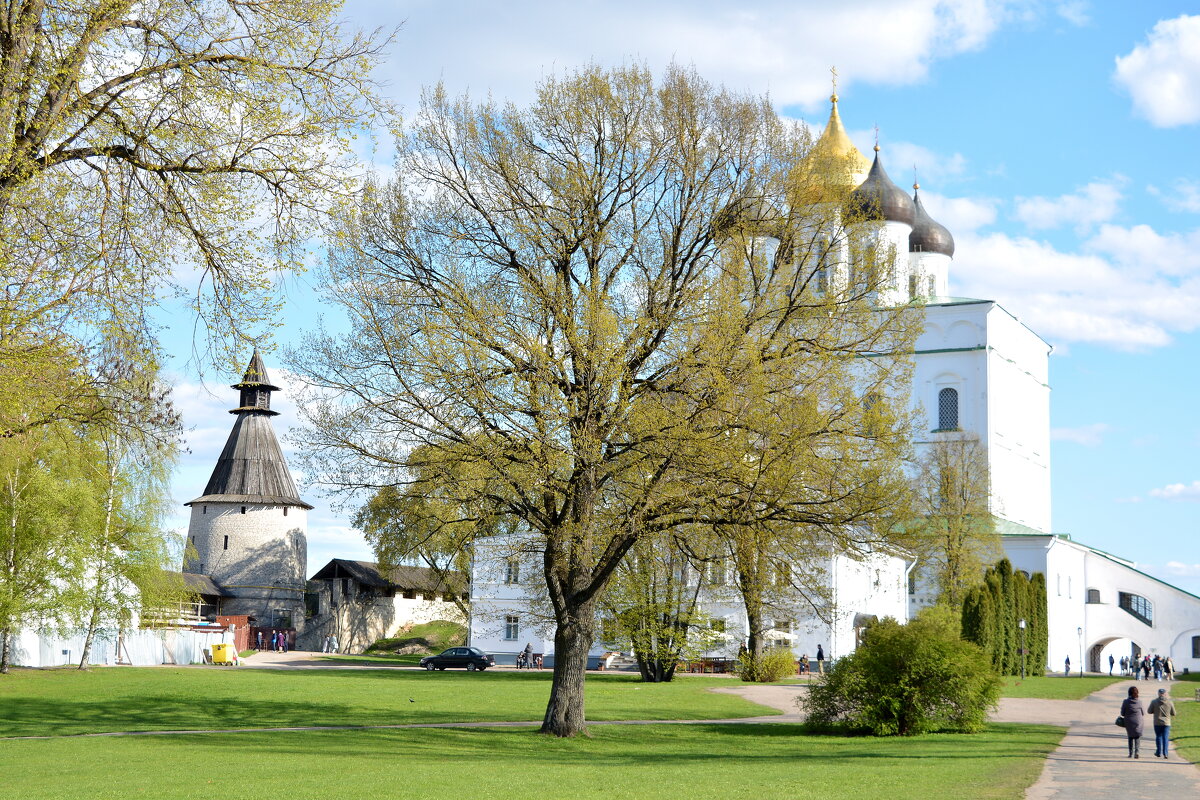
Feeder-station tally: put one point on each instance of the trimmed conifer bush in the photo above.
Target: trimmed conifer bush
(907, 679)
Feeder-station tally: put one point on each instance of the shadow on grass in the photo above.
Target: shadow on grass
(609, 746)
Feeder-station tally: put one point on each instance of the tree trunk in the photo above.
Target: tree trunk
(101, 568)
(572, 640)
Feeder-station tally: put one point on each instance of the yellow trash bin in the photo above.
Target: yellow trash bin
(222, 653)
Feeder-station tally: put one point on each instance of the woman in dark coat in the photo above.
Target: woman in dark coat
(1135, 720)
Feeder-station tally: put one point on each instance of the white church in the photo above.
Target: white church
(979, 373)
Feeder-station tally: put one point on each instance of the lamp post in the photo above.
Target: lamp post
(1079, 631)
(1021, 625)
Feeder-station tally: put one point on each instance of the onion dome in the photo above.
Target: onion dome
(834, 162)
(927, 235)
(877, 198)
(749, 213)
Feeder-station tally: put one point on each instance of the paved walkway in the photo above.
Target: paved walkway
(1092, 761)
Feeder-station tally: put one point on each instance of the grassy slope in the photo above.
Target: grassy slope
(58, 702)
(1051, 687)
(652, 761)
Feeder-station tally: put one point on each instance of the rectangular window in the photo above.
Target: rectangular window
(512, 571)
(226, 542)
(512, 628)
(1093, 596)
(243, 509)
(716, 573)
(285, 511)
(718, 625)
(410, 594)
(1196, 647)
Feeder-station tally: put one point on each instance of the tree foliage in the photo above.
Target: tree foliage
(991, 614)
(906, 680)
(608, 307)
(138, 137)
(954, 534)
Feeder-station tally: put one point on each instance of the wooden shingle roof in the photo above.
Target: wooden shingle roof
(251, 467)
(368, 573)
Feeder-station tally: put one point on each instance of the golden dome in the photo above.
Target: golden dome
(834, 165)
(835, 145)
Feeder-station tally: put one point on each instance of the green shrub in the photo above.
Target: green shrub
(770, 666)
(907, 679)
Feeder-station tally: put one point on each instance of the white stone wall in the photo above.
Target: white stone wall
(999, 369)
(875, 585)
(1071, 569)
(260, 556)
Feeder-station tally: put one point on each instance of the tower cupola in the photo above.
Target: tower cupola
(927, 235)
(878, 199)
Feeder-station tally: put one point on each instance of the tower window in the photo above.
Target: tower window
(512, 571)
(948, 410)
(932, 291)
(913, 287)
(243, 509)
(203, 509)
(285, 508)
(226, 542)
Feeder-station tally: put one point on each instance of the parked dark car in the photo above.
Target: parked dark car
(470, 657)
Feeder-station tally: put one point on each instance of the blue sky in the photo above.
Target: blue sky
(1056, 140)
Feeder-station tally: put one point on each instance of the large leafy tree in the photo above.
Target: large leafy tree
(955, 533)
(602, 304)
(167, 145)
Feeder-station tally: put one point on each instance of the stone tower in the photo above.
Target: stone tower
(248, 528)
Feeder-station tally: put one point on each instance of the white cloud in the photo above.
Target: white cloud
(1181, 569)
(1086, 435)
(1163, 73)
(784, 46)
(1092, 204)
(1127, 288)
(960, 214)
(1074, 12)
(1184, 195)
(1189, 492)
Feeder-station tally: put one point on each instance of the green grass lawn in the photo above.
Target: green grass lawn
(1185, 731)
(1052, 687)
(59, 702)
(650, 761)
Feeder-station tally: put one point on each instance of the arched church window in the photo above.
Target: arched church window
(913, 289)
(948, 410)
(932, 291)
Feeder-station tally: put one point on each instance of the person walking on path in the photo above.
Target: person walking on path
(1111, 661)
(1067, 667)
(1161, 709)
(820, 660)
(1135, 720)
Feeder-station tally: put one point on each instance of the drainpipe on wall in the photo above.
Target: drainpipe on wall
(907, 572)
